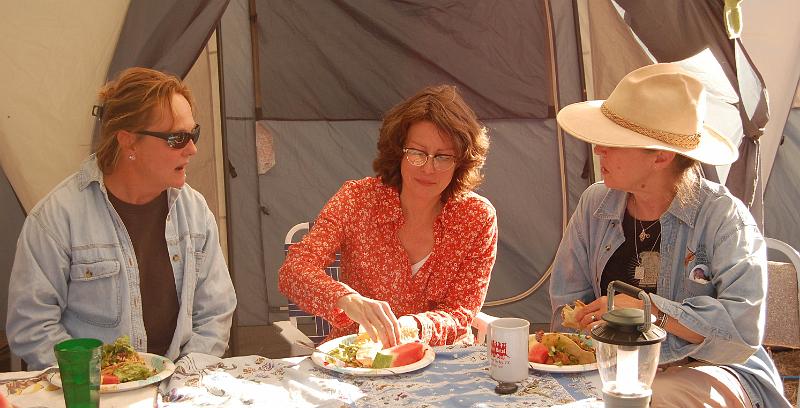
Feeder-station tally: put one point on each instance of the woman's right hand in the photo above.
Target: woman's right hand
(375, 316)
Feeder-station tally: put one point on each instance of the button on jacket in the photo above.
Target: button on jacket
(728, 309)
(75, 274)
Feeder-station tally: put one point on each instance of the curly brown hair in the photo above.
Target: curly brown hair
(443, 106)
(130, 102)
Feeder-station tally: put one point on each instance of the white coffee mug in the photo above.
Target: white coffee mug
(507, 343)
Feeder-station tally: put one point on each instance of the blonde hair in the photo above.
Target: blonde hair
(688, 174)
(131, 102)
(443, 106)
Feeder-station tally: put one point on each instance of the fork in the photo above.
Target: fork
(42, 373)
(314, 349)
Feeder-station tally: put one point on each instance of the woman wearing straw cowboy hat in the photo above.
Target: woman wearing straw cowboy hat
(655, 223)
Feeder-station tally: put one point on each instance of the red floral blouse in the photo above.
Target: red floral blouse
(361, 221)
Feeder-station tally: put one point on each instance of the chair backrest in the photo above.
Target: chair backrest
(319, 327)
(783, 302)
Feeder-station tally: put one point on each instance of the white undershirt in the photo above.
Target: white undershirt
(417, 266)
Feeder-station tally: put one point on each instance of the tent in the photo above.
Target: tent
(295, 99)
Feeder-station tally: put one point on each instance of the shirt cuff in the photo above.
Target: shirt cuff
(426, 325)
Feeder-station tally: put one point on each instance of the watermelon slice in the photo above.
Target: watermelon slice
(399, 355)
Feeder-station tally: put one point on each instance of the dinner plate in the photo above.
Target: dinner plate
(572, 368)
(163, 366)
(319, 359)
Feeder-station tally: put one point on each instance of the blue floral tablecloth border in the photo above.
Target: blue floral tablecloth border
(459, 377)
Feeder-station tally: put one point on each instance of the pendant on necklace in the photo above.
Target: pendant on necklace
(643, 235)
(638, 272)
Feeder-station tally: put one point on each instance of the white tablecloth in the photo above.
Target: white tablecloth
(38, 392)
(458, 377)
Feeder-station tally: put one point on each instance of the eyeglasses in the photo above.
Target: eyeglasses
(418, 158)
(176, 140)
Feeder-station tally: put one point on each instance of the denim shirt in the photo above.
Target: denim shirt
(727, 308)
(75, 274)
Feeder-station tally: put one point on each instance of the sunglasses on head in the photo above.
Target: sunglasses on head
(176, 140)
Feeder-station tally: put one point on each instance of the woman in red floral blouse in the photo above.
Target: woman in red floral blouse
(417, 245)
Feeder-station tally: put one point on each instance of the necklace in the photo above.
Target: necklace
(638, 271)
(644, 235)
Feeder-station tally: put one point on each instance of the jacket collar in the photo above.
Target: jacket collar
(89, 173)
(612, 207)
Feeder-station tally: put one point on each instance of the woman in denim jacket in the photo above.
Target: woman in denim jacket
(124, 246)
(656, 224)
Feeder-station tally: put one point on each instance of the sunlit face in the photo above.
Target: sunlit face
(424, 181)
(157, 163)
(625, 168)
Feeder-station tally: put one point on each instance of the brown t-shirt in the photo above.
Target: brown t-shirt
(146, 225)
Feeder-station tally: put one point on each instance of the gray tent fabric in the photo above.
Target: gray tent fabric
(166, 35)
(692, 27)
(311, 98)
(12, 217)
(744, 178)
(354, 59)
(783, 190)
(245, 249)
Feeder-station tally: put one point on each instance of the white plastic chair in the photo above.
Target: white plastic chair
(783, 330)
(296, 314)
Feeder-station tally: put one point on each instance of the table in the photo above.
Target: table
(36, 391)
(458, 377)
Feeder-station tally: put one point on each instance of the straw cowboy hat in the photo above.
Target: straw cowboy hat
(658, 107)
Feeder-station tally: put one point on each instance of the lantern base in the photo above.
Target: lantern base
(506, 388)
(626, 401)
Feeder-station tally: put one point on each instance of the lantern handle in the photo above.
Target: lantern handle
(630, 290)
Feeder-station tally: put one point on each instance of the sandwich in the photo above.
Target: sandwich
(568, 315)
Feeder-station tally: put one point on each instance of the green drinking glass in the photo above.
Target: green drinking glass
(79, 364)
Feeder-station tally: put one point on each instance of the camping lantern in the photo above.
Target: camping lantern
(628, 347)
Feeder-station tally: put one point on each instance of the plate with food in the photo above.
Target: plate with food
(359, 355)
(561, 352)
(123, 368)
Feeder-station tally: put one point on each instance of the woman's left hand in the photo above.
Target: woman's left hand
(592, 313)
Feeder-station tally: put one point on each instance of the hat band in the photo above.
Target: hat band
(676, 139)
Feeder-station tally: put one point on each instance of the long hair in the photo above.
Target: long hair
(687, 173)
(131, 102)
(443, 106)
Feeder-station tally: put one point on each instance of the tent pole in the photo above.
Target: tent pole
(551, 42)
(256, 61)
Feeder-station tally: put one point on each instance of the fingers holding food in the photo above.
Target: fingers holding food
(384, 322)
(569, 315)
(375, 316)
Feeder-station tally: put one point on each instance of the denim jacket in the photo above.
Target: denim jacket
(75, 274)
(727, 308)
